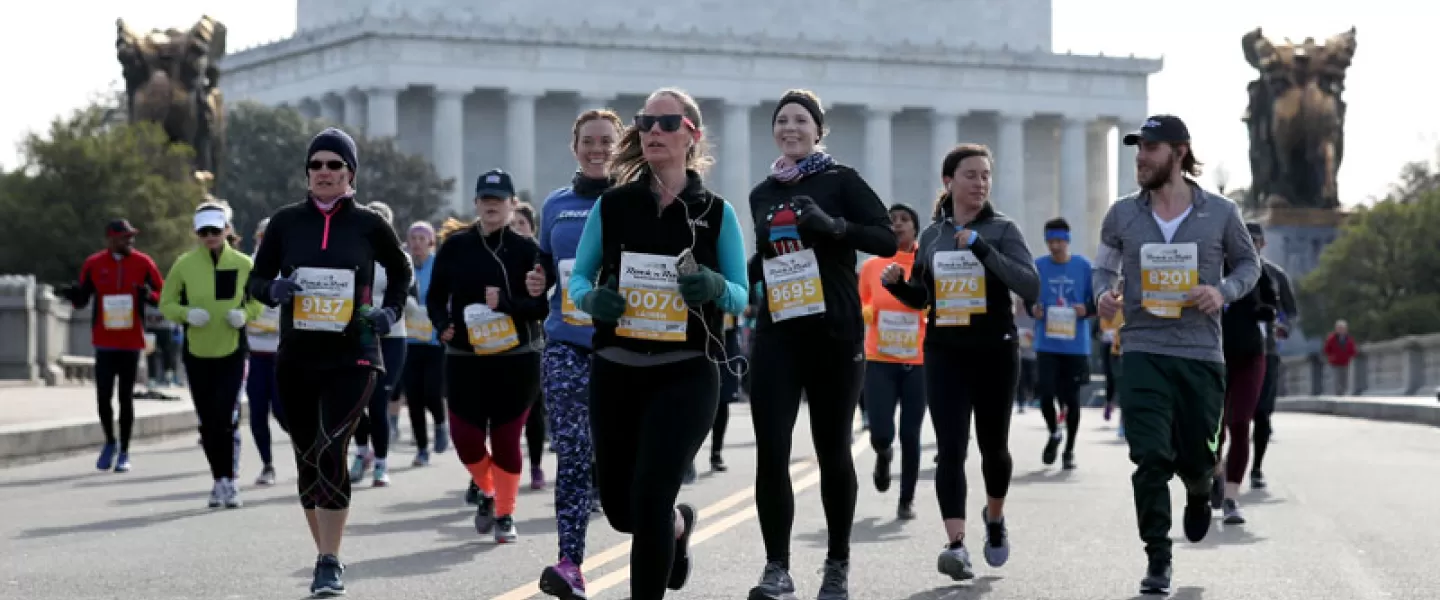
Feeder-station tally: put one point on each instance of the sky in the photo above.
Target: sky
(1203, 80)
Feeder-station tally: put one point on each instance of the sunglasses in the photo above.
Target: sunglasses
(668, 123)
(333, 165)
(209, 231)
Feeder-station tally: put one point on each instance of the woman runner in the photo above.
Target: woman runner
(522, 221)
(425, 357)
(375, 423)
(324, 249)
(968, 263)
(263, 336)
(670, 258)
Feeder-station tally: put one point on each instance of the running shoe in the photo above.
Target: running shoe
(217, 495)
(381, 476)
(232, 494)
(955, 562)
(359, 465)
(327, 583)
(1067, 461)
(1052, 447)
(834, 581)
(442, 438)
(906, 512)
(422, 459)
(563, 581)
(267, 476)
(537, 478)
(1231, 509)
(997, 540)
(485, 515)
(107, 458)
(472, 494)
(1257, 480)
(882, 469)
(775, 584)
(680, 566)
(122, 463)
(505, 530)
(1157, 579)
(1197, 517)
(717, 464)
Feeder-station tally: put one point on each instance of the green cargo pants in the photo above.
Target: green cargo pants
(1171, 409)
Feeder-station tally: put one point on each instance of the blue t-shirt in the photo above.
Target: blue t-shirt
(562, 219)
(423, 270)
(1069, 280)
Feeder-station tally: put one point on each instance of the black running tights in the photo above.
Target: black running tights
(957, 383)
(1060, 377)
(215, 388)
(424, 383)
(322, 407)
(110, 366)
(831, 375)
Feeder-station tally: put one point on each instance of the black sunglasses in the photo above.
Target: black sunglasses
(209, 231)
(668, 123)
(333, 165)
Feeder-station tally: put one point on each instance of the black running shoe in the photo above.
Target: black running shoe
(1051, 448)
(1197, 518)
(1157, 579)
(680, 565)
(882, 469)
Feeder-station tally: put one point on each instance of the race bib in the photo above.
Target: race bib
(729, 321)
(899, 334)
(417, 324)
(268, 323)
(117, 311)
(654, 309)
(326, 299)
(959, 287)
(490, 332)
(792, 282)
(1060, 322)
(572, 314)
(1027, 339)
(1167, 274)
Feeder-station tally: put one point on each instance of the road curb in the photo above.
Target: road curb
(1418, 410)
(37, 442)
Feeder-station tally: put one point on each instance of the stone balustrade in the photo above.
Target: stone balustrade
(42, 338)
(1406, 366)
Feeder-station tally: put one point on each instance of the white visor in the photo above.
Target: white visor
(209, 218)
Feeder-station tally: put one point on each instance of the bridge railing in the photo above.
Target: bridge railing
(42, 337)
(1406, 366)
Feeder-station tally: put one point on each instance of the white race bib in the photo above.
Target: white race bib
(1167, 274)
(1060, 322)
(268, 323)
(117, 311)
(490, 332)
(899, 334)
(326, 299)
(572, 314)
(792, 282)
(654, 309)
(959, 287)
(417, 324)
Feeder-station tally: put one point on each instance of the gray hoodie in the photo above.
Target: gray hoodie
(1216, 228)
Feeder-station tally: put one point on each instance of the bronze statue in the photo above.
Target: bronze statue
(1296, 119)
(171, 78)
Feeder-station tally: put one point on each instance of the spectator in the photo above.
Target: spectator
(1339, 351)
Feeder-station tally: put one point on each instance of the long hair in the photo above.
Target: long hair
(947, 169)
(451, 225)
(628, 163)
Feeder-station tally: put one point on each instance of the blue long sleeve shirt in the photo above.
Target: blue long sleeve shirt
(1070, 280)
(562, 220)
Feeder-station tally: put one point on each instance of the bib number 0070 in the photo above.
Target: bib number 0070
(649, 300)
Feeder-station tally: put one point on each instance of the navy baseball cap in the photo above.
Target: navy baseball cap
(120, 227)
(494, 183)
(1159, 128)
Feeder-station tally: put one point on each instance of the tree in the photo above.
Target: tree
(264, 168)
(88, 171)
(1416, 179)
(1379, 274)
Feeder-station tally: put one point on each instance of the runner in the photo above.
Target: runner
(657, 315)
(207, 294)
(1244, 323)
(122, 280)
(1288, 318)
(375, 423)
(729, 394)
(492, 366)
(1025, 329)
(1062, 337)
(425, 357)
(895, 365)
(811, 215)
(1170, 242)
(263, 338)
(324, 250)
(522, 221)
(970, 261)
(567, 360)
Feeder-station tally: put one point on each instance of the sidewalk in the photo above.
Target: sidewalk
(38, 422)
(1418, 410)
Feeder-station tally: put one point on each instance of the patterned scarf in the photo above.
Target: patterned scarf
(785, 170)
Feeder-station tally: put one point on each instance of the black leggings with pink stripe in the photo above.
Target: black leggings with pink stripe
(322, 407)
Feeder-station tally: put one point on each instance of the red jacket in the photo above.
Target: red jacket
(118, 317)
(1339, 353)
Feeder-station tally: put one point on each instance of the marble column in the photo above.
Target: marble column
(1074, 189)
(1008, 190)
(354, 111)
(1125, 183)
(944, 135)
(449, 136)
(520, 137)
(383, 112)
(332, 109)
(1097, 150)
(735, 162)
(879, 151)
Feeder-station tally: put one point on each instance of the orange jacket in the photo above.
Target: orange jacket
(874, 300)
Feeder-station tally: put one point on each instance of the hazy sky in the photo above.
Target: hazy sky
(61, 53)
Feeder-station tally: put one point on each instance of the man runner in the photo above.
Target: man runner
(1170, 242)
(1279, 330)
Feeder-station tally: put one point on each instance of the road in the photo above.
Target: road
(1349, 515)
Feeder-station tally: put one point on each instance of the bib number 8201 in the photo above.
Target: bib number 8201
(322, 306)
(950, 285)
(793, 291)
(646, 300)
(1171, 277)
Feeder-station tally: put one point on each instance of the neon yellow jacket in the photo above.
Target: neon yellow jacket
(217, 285)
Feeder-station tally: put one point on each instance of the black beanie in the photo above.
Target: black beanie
(336, 141)
(804, 100)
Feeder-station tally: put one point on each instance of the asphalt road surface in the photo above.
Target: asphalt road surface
(1350, 515)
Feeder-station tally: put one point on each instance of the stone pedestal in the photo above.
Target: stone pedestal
(1294, 239)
